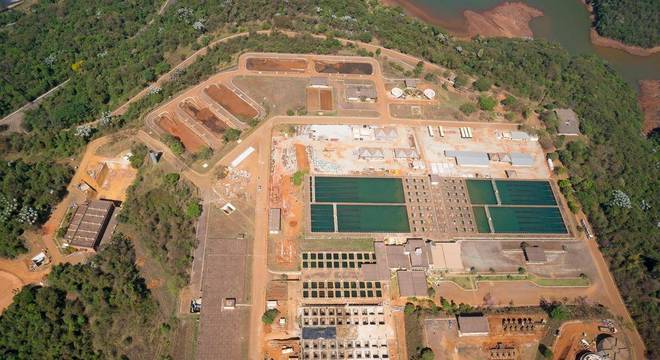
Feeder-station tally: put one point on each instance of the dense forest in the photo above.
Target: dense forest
(634, 22)
(28, 191)
(40, 50)
(100, 310)
(613, 171)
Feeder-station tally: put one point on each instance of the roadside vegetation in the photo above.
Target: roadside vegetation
(612, 169)
(160, 212)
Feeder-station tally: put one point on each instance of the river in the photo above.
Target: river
(564, 21)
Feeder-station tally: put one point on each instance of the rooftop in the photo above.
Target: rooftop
(275, 220)
(535, 254)
(472, 324)
(360, 91)
(319, 333)
(521, 159)
(88, 224)
(418, 252)
(469, 158)
(412, 283)
(568, 122)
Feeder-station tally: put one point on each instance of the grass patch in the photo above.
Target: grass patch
(463, 281)
(414, 333)
(579, 281)
(338, 244)
(298, 177)
(469, 281)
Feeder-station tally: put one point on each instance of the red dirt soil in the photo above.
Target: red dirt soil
(272, 64)
(9, 284)
(230, 101)
(649, 101)
(326, 100)
(190, 140)
(568, 343)
(301, 158)
(205, 116)
(505, 20)
(313, 100)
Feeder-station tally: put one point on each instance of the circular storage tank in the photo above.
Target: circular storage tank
(429, 93)
(613, 347)
(588, 355)
(396, 92)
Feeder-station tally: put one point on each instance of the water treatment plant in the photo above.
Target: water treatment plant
(360, 196)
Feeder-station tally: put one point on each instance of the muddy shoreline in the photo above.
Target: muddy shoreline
(508, 19)
(649, 102)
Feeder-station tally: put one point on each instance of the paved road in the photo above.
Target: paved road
(15, 119)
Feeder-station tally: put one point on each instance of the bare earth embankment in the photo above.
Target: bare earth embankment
(649, 101)
(509, 19)
(602, 41)
(505, 20)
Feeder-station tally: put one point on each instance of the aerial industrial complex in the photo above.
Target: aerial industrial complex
(361, 215)
(371, 200)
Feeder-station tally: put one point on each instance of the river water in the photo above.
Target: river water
(564, 21)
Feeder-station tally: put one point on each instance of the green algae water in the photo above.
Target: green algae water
(564, 21)
(514, 192)
(481, 219)
(372, 218)
(530, 220)
(322, 218)
(481, 192)
(358, 190)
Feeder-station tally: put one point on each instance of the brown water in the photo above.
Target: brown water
(565, 21)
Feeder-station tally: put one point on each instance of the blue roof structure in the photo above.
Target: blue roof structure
(312, 333)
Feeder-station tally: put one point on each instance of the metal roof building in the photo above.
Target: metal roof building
(386, 133)
(275, 220)
(88, 224)
(418, 252)
(472, 325)
(569, 125)
(469, 158)
(360, 92)
(403, 153)
(397, 257)
(371, 153)
(521, 159)
(412, 283)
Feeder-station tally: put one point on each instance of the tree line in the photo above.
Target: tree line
(98, 310)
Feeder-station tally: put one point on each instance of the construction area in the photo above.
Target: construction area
(476, 336)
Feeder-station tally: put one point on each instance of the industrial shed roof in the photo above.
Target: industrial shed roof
(469, 158)
(88, 224)
(412, 283)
